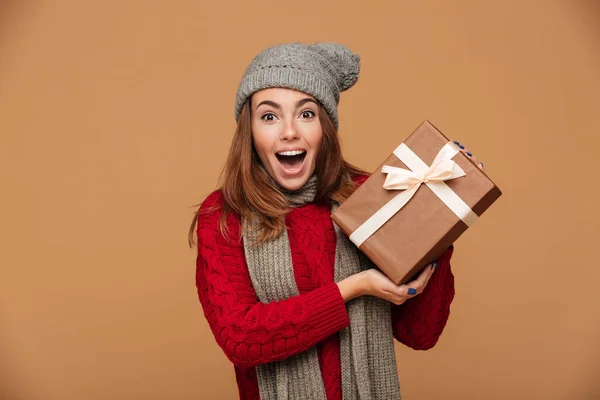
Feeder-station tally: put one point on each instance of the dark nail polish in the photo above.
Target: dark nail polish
(435, 266)
(456, 143)
(412, 291)
(461, 146)
(469, 154)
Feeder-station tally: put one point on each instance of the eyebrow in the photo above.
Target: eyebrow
(299, 103)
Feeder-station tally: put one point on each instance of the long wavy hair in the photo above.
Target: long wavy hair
(248, 192)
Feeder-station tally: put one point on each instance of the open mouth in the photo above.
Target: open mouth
(291, 160)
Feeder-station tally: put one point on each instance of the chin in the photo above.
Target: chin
(292, 184)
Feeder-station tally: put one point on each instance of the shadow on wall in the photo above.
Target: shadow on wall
(590, 383)
(591, 13)
(12, 14)
(8, 11)
(11, 384)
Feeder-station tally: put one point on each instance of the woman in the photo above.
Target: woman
(295, 306)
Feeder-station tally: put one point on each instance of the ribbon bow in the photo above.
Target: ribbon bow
(400, 178)
(442, 168)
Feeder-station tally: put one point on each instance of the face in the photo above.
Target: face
(287, 134)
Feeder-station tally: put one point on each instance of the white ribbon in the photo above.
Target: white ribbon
(442, 169)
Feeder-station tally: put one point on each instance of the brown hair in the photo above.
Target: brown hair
(247, 190)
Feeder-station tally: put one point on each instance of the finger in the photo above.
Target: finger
(471, 156)
(407, 290)
(416, 287)
(399, 300)
(413, 288)
(460, 146)
(474, 159)
(397, 297)
(432, 268)
(466, 151)
(424, 275)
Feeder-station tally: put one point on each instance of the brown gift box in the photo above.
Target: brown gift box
(425, 227)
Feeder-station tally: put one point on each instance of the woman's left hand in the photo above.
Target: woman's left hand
(464, 149)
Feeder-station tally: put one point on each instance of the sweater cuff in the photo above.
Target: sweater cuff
(328, 309)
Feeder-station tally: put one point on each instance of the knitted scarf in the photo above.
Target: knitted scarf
(368, 361)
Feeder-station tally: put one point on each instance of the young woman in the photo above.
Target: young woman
(296, 307)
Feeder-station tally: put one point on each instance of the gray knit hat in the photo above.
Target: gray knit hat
(322, 70)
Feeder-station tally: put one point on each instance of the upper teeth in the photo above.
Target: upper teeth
(291, 153)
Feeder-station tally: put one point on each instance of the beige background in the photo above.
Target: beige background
(116, 117)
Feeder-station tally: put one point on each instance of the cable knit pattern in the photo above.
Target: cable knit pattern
(419, 322)
(252, 333)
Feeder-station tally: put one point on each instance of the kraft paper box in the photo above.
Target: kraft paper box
(403, 241)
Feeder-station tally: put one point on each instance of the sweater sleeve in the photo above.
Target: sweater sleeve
(418, 322)
(251, 332)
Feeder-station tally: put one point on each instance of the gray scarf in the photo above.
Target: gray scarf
(367, 354)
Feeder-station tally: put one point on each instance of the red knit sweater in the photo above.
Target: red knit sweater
(252, 333)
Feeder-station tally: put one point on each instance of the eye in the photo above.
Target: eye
(307, 114)
(268, 117)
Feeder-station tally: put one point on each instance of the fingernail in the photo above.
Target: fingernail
(481, 163)
(435, 266)
(412, 291)
(469, 154)
(459, 145)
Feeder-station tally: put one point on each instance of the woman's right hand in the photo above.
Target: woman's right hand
(374, 283)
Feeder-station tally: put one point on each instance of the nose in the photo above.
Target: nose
(289, 131)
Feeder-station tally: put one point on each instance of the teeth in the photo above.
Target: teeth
(291, 153)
